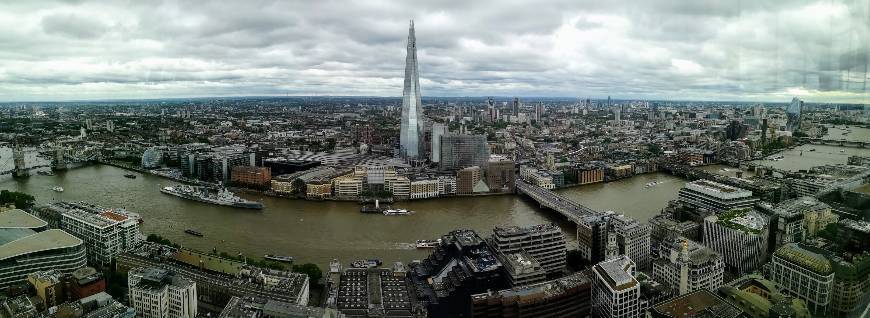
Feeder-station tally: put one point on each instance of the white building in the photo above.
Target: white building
(632, 238)
(544, 242)
(106, 234)
(715, 197)
(424, 189)
(687, 266)
(615, 291)
(740, 236)
(446, 185)
(158, 293)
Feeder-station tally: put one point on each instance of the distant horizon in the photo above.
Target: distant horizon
(760, 51)
(399, 97)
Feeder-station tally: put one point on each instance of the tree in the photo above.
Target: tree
(298, 186)
(313, 272)
(21, 200)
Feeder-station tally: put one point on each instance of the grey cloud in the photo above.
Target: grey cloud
(72, 25)
(644, 49)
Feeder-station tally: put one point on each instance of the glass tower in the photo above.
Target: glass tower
(793, 113)
(411, 133)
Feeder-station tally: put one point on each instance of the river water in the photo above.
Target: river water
(317, 232)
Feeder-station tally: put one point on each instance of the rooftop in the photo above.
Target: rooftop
(616, 273)
(721, 191)
(806, 258)
(694, 303)
(801, 205)
(42, 241)
(517, 230)
(745, 220)
(18, 219)
(97, 220)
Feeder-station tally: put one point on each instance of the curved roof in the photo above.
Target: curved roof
(18, 219)
(813, 261)
(38, 242)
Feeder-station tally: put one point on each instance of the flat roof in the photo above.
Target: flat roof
(16, 218)
(692, 304)
(42, 241)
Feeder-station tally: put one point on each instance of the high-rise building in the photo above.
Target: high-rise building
(793, 114)
(106, 234)
(632, 238)
(544, 242)
(411, 131)
(715, 197)
(501, 175)
(686, 266)
(438, 130)
(740, 236)
(516, 106)
(28, 246)
(805, 273)
(159, 293)
(467, 179)
(615, 290)
(461, 151)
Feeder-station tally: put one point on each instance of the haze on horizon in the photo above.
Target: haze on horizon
(669, 50)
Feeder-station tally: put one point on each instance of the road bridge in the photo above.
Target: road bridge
(547, 198)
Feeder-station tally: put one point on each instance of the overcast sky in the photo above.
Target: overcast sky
(678, 50)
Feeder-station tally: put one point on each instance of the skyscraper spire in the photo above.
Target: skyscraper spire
(411, 132)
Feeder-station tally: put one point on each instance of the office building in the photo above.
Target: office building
(686, 266)
(159, 293)
(438, 130)
(568, 296)
(793, 115)
(715, 197)
(424, 189)
(105, 234)
(373, 292)
(592, 237)
(545, 243)
(516, 107)
(805, 273)
(411, 130)
(615, 290)
(48, 286)
(521, 268)
(463, 264)
(461, 151)
(501, 175)
(757, 297)
(251, 176)
(632, 238)
(27, 246)
(467, 179)
(219, 279)
(279, 166)
(740, 236)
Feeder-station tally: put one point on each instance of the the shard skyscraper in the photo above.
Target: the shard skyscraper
(411, 133)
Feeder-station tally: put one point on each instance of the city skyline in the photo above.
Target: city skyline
(90, 50)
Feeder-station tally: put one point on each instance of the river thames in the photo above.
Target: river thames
(318, 231)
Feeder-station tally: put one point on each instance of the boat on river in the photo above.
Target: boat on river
(193, 232)
(204, 194)
(279, 258)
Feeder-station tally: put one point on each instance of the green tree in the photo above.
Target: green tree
(313, 272)
(21, 200)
